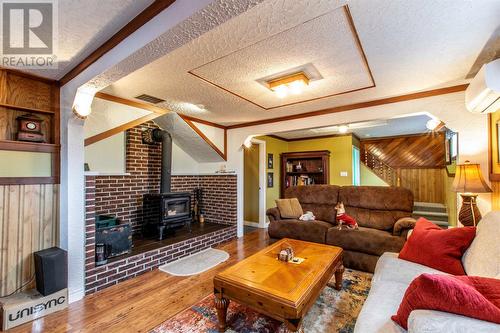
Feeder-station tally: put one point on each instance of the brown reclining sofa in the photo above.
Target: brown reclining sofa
(381, 212)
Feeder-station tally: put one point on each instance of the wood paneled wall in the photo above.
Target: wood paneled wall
(29, 222)
(427, 185)
(413, 151)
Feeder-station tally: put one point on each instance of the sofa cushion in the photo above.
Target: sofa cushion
(382, 302)
(431, 321)
(391, 268)
(365, 240)
(311, 231)
(482, 258)
(437, 248)
(319, 199)
(475, 297)
(289, 208)
(377, 207)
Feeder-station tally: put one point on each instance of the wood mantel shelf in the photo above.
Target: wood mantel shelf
(27, 109)
(29, 146)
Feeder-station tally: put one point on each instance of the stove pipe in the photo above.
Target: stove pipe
(166, 158)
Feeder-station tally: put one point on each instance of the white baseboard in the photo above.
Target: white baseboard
(251, 224)
(76, 295)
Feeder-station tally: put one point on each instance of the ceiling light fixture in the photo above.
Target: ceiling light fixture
(83, 102)
(293, 84)
(343, 129)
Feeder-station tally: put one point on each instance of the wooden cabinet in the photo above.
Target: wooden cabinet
(22, 94)
(304, 168)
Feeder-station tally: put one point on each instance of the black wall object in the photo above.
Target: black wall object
(51, 269)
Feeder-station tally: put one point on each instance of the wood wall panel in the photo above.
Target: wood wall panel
(416, 151)
(495, 196)
(427, 185)
(28, 222)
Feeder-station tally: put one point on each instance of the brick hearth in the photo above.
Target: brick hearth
(122, 195)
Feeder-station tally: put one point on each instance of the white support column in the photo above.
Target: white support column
(72, 196)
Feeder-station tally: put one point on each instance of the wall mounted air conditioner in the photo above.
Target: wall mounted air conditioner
(483, 93)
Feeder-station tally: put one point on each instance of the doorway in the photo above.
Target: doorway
(254, 195)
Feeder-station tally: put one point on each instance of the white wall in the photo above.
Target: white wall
(214, 134)
(450, 108)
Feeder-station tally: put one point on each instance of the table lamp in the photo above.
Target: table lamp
(469, 181)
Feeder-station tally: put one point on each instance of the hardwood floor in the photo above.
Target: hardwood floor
(142, 303)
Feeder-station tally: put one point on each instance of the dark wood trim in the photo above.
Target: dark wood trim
(201, 121)
(352, 26)
(274, 136)
(361, 105)
(360, 50)
(29, 75)
(225, 144)
(137, 22)
(22, 108)
(29, 146)
(396, 137)
(119, 129)
(207, 140)
(493, 176)
(28, 180)
(318, 137)
(128, 102)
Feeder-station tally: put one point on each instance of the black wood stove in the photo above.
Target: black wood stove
(165, 211)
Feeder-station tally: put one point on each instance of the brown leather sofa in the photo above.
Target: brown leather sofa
(381, 212)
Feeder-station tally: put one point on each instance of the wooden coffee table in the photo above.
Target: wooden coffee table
(281, 290)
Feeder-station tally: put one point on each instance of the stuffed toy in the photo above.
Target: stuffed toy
(308, 216)
(344, 219)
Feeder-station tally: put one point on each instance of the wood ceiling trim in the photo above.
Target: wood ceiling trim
(137, 22)
(361, 105)
(119, 129)
(359, 46)
(156, 113)
(207, 140)
(128, 102)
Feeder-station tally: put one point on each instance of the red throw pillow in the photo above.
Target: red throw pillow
(470, 296)
(438, 248)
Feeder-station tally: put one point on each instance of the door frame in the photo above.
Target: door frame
(262, 185)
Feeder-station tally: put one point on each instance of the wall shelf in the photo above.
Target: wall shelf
(315, 169)
(29, 146)
(22, 108)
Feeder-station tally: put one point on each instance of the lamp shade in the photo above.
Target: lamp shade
(469, 179)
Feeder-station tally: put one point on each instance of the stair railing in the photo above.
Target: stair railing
(381, 169)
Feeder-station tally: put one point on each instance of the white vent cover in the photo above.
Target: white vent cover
(483, 93)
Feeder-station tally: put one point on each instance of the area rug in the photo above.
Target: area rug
(334, 311)
(196, 263)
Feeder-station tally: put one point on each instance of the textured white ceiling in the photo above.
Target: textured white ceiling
(86, 25)
(187, 139)
(374, 129)
(410, 46)
(336, 57)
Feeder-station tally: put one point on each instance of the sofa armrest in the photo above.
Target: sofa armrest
(273, 214)
(402, 226)
(430, 321)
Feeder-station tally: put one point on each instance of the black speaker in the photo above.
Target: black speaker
(51, 269)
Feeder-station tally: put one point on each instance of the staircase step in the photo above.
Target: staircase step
(429, 207)
(434, 216)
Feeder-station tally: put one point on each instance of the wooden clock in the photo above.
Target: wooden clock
(29, 128)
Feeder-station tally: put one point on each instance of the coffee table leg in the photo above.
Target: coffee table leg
(221, 304)
(293, 326)
(338, 276)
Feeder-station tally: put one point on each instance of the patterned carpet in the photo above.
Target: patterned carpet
(334, 311)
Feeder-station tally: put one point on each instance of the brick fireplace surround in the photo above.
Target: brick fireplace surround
(121, 196)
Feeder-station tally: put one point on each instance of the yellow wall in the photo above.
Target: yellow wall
(275, 147)
(340, 159)
(251, 186)
(368, 178)
(340, 148)
(25, 164)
